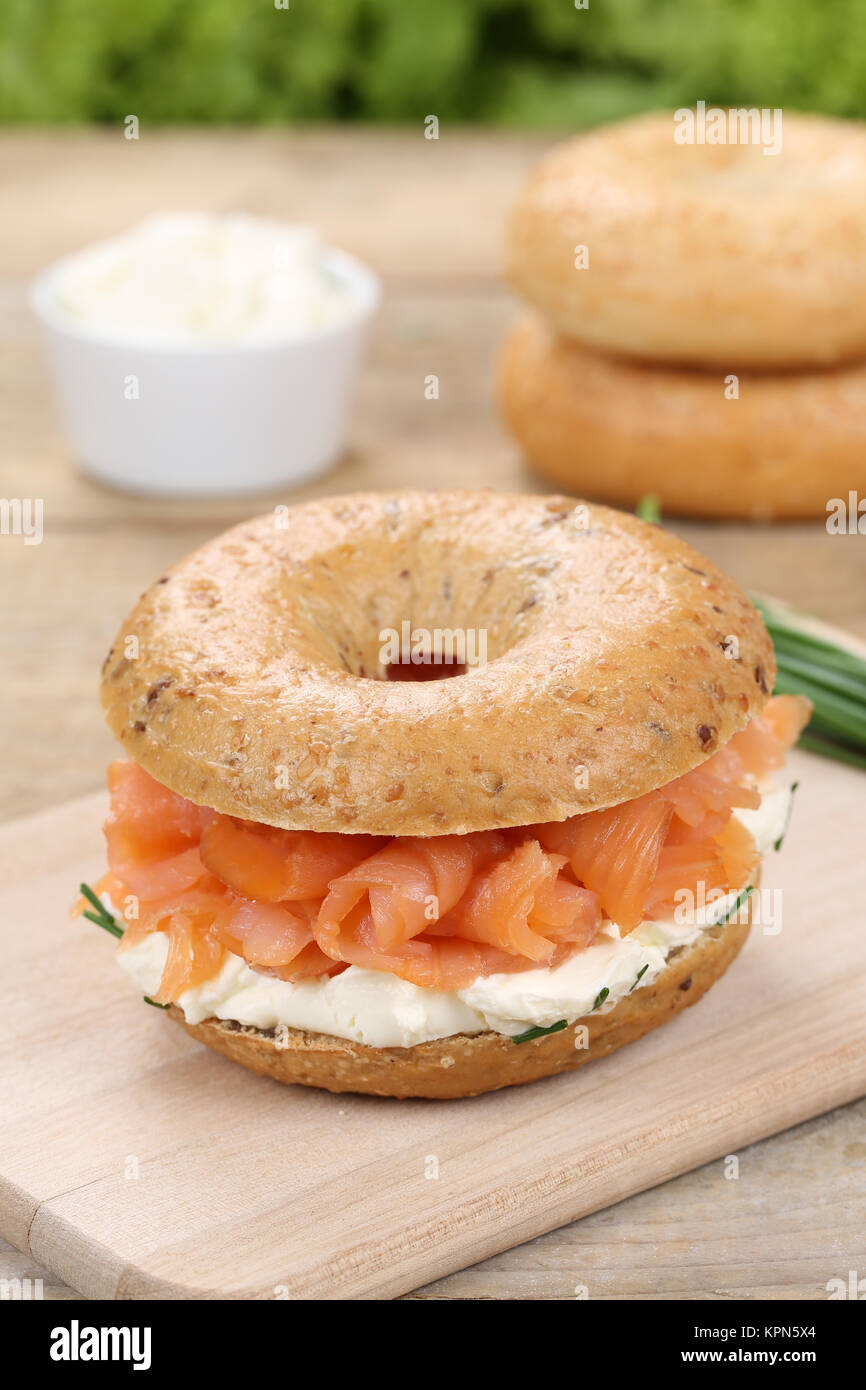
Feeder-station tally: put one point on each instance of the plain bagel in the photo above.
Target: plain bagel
(249, 677)
(719, 254)
(469, 1064)
(613, 428)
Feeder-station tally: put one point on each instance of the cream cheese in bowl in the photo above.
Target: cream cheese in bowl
(203, 353)
(189, 278)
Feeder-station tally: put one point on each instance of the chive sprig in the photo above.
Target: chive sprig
(100, 914)
(817, 660)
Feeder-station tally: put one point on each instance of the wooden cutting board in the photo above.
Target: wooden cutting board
(136, 1164)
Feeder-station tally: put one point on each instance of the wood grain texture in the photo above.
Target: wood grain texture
(428, 215)
(118, 1170)
(793, 1219)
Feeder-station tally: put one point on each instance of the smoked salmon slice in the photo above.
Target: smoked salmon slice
(637, 855)
(274, 937)
(518, 904)
(193, 955)
(274, 866)
(147, 821)
(418, 904)
(436, 959)
(409, 885)
(691, 865)
(615, 852)
(437, 912)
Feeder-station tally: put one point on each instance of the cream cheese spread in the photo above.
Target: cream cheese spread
(186, 279)
(380, 1010)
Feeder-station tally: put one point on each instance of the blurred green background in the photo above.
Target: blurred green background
(528, 63)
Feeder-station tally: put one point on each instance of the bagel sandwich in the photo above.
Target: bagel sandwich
(431, 793)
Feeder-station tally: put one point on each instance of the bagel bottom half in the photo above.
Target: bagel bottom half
(469, 1064)
(616, 429)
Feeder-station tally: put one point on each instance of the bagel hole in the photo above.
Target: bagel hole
(439, 669)
(364, 612)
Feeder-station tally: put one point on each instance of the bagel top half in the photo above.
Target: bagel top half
(715, 254)
(249, 678)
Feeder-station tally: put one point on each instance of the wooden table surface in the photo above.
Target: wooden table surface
(428, 216)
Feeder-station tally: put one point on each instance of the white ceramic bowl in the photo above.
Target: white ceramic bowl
(207, 419)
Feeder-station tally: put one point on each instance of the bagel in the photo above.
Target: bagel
(257, 689)
(613, 428)
(699, 253)
(342, 876)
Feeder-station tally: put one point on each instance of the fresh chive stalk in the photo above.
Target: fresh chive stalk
(532, 1033)
(735, 906)
(640, 975)
(649, 508)
(829, 667)
(842, 752)
(100, 914)
(781, 840)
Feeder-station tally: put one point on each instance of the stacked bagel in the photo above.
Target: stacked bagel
(700, 324)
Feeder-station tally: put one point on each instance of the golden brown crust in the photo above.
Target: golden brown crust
(609, 669)
(469, 1065)
(613, 428)
(701, 253)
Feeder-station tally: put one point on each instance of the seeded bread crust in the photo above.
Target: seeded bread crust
(249, 678)
(468, 1065)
